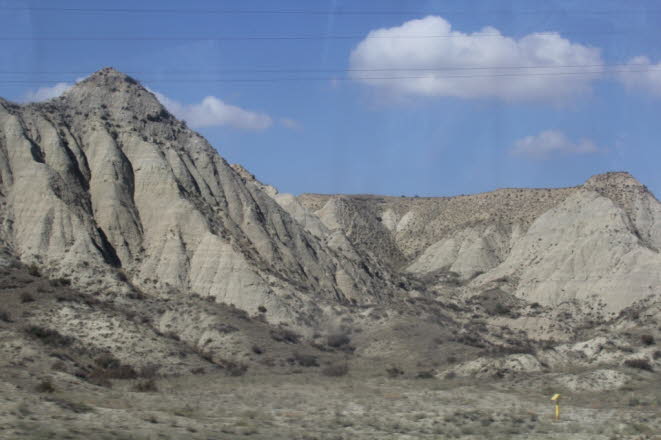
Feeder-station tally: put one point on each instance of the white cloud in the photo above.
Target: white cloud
(641, 74)
(486, 54)
(551, 142)
(292, 124)
(46, 93)
(212, 111)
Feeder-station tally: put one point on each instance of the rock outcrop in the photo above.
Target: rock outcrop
(104, 178)
(598, 242)
(599, 245)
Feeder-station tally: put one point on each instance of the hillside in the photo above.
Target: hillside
(147, 287)
(597, 241)
(105, 179)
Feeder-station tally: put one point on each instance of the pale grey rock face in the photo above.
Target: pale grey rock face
(363, 229)
(288, 202)
(586, 248)
(598, 242)
(104, 177)
(469, 252)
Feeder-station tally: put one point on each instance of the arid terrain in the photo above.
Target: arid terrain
(149, 289)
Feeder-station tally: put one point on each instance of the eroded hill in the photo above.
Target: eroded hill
(134, 259)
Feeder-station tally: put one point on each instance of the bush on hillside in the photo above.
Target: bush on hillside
(45, 386)
(641, 364)
(34, 270)
(338, 340)
(49, 336)
(285, 335)
(336, 370)
(146, 386)
(647, 340)
(4, 316)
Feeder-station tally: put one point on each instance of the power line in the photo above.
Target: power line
(304, 37)
(384, 69)
(234, 11)
(358, 78)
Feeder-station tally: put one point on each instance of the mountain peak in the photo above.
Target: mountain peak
(107, 75)
(111, 89)
(612, 179)
(109, 79)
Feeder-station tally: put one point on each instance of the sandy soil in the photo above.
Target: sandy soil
(309, 405)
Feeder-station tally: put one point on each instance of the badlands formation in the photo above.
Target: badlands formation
(144, 280)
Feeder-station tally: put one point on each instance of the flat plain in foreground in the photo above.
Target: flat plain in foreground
(307, 405)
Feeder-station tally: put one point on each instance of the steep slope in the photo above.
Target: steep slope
(105, 177)
(600, 245)
(464, 234)
(288, 202)
(597, 242)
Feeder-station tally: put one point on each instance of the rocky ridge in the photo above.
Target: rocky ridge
(133, 257)
(105, 178)
(596, 242)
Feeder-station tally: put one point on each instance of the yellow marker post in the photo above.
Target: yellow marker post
(556, 399)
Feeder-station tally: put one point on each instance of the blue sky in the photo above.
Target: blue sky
(547, 93)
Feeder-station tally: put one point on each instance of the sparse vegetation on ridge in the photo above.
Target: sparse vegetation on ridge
(224, 309)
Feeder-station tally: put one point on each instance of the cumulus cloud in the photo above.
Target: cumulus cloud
(549, 143)
(212, 111)
(642, 75)
(291, 124)
(46, 93)
(496, 66)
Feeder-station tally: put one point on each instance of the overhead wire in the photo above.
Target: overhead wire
(240, 11)
(357, 78)
(494, 71)
(299, 37)
(307, 70)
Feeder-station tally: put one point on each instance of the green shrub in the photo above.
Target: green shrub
(110, 368)
(285, 335)
(305, 360)
(425, 374)
(4, 316)
(501, 309)
(75, 407)
(641, 364)
(107, 361)
(225, 328)
(146, 386)
(338, 340)
(45, 386)
(49, 336)
(34, 270)
(61, 282)
(394, 371)
(336, 370)
(26, 297)
(149, 371)
(121, 276)
(647, 339)
(233, 368)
